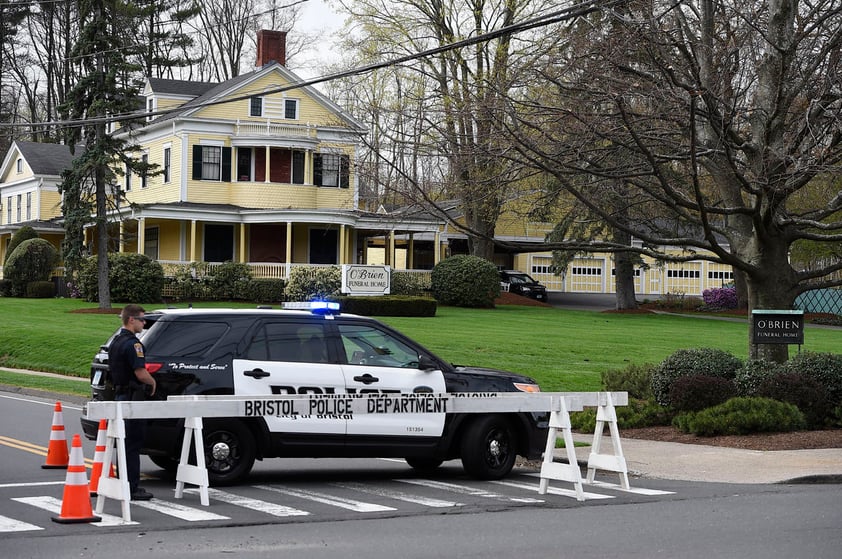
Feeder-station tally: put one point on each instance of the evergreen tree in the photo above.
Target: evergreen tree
(105, 95)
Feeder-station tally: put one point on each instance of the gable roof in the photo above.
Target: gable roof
(45, 159)
(215, 92)
(161, 86)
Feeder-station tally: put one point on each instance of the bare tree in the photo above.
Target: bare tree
(717, 117)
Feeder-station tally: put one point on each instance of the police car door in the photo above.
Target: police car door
(377, 361)
(291, 357)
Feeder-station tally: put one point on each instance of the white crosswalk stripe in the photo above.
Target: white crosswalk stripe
(553, 490)
(467, 490)
(398, 495)
(325, 499)
(11, 525)
(53, 505)
(254, 504)
(178, 510)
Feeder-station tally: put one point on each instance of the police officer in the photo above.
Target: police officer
(127, 363)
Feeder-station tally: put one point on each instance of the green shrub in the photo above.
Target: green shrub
(688, 362)
(132, 278)
(308, 283)
(409, 283)
(23, 234)
(802, 391)
(639, 413)
(40, 290)
(388, 305)
(265, 290)
(229, 281)
(698, 392)
(752, 374)
(465, 281)
(825, 368)
(634, 379)
(32, 260)
(741, 416)
(5, 288)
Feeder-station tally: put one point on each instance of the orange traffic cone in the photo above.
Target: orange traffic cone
(99, 456)
(76, 503)
(57, 451)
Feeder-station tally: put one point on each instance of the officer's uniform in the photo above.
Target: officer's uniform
(126, 354)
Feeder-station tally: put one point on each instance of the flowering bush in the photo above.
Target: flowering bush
(720, 298)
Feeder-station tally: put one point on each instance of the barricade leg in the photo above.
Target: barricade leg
(188, 473)
(115, 487)
(560, 419)
(616, 462)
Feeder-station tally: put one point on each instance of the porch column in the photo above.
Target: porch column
(289, 247)
(122, 243)
(390, 256)
(308, 167)
(437, 248)
(141, 235)
(268, 167)
(193, 240)
(410, 253)
(242, 243)
(343, 245)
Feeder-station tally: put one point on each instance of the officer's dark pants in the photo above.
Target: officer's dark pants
(135, 435)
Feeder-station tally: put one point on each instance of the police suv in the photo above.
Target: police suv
(265, 352)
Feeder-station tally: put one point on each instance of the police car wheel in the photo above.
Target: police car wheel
(423, 464)
(489, 447)
(229, 451)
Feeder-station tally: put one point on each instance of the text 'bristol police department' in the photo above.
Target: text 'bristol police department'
(335, 406)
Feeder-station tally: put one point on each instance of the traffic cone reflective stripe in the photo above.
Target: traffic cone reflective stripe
(76, 503)
(99, 456)
(57, 450)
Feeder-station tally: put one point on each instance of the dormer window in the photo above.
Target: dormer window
(256, 106)
(19, 165)
(150, 108)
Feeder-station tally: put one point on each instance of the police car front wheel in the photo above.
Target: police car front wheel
(229, 451)
(489, 447)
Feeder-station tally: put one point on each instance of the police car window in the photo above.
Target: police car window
(186, 339)
(365, 345)
(287, 341)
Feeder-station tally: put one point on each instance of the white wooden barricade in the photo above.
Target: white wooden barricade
(193, 408)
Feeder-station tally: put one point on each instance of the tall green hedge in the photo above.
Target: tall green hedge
(132, 278)
(32, 260)
(465, 281)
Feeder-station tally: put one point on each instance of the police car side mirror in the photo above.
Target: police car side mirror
(425, 363)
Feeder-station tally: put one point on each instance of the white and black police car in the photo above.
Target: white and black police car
(320, 351)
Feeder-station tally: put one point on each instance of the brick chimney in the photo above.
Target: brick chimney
(271, 47)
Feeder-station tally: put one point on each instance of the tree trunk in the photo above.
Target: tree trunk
(624, 279)
(772, 287)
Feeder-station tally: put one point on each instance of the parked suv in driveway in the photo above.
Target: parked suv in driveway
(521, 283)
(264, 352)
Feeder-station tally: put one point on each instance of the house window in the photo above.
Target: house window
(144, 182)
(244, 164)
(167, 163)
(128, 178)
(211, 163)
(150, 242)
(19, 198)
(297, 167)
(331, 170)
(19, 165)
(256, 106)
(9, 209)
(291, 109)
(28, 206)
(150, 108)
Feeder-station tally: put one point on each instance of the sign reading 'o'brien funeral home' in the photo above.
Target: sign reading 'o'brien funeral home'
(778, 327)
(365, 280)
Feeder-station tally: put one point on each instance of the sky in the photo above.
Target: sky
(317, 16)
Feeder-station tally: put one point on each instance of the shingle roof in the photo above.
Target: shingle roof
(47, 159)
(179, 87)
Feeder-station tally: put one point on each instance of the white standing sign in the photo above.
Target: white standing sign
(365, 280)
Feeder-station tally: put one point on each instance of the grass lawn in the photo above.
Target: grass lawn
(562, 349)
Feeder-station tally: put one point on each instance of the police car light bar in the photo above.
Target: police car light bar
(318, 307)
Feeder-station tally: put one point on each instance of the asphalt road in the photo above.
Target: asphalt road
(380, 508)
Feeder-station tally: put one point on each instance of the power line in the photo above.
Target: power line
(558, 16)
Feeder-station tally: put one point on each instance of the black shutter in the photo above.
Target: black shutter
(317, 169)
(344, 171)
(197, 163)
(226, 164)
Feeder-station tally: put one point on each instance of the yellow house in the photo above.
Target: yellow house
(29, 178)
